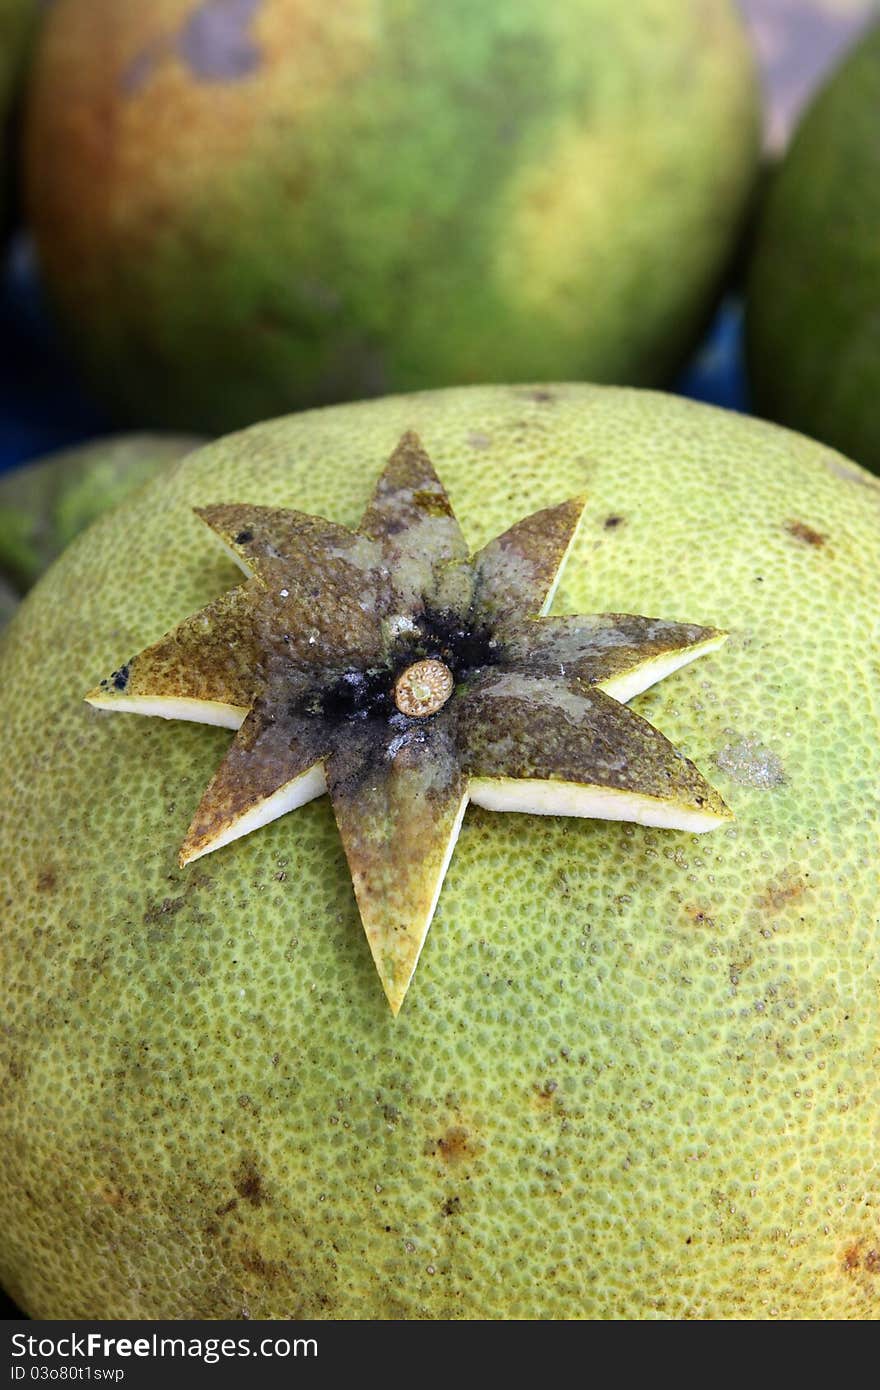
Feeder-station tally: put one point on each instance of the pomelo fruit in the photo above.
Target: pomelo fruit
(636, 1072)
(45, 503)
(813, 329)
(246, 206)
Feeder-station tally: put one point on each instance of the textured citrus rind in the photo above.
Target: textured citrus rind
(636, 1073)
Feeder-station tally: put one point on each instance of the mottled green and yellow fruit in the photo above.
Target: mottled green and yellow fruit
(635, 1074)
(248, 206)
(814, 289)
(44, 504)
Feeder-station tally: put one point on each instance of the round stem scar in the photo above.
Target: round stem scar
(423, 688)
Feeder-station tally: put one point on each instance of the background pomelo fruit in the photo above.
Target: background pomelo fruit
(44, 504)
(246, 206)
(636, 1072)
(813, 325)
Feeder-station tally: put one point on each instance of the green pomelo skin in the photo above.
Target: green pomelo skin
(813, 323)
(635, 1075)
(358, 198)
(44, 504)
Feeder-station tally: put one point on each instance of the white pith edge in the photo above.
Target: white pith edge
(233, 554)
(396, 1000)
(628, 684)
(301, 789)
(537, 797)
(195, 711)
(545, 606)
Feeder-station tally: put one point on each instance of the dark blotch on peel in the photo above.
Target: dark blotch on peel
(361, 695)
(804, 533)
(352, 695)
(461, 645)
(249, 1184)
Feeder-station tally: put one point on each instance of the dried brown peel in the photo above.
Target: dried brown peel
(203, 670)
(574, 750)
(620, 653)
(270, 768)
(328, 596)
(390, 668)
(399, 823)
(410, 516)
(517, 573)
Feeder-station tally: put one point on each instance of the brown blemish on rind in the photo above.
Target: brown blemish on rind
(779, 895)
(168, 907)
(699, 916)
(612, 522)
(16, 1068)
(454, 1146)
(256, 1263)
(249, 1184)
(47, 881)
(804, 533)
(851, 1258)
(536, 393)
(545, 1096)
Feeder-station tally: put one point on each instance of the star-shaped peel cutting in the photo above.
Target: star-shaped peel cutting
(406, 677)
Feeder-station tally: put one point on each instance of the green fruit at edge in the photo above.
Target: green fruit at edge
(813, 325)
(44, 504)
(636, 1072)
(252, 208)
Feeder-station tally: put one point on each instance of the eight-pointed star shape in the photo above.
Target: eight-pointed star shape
(406, 677)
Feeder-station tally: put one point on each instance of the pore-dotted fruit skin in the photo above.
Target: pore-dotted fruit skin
(814, 287)
(636, 1073)
(44, 504)
(249, 207)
